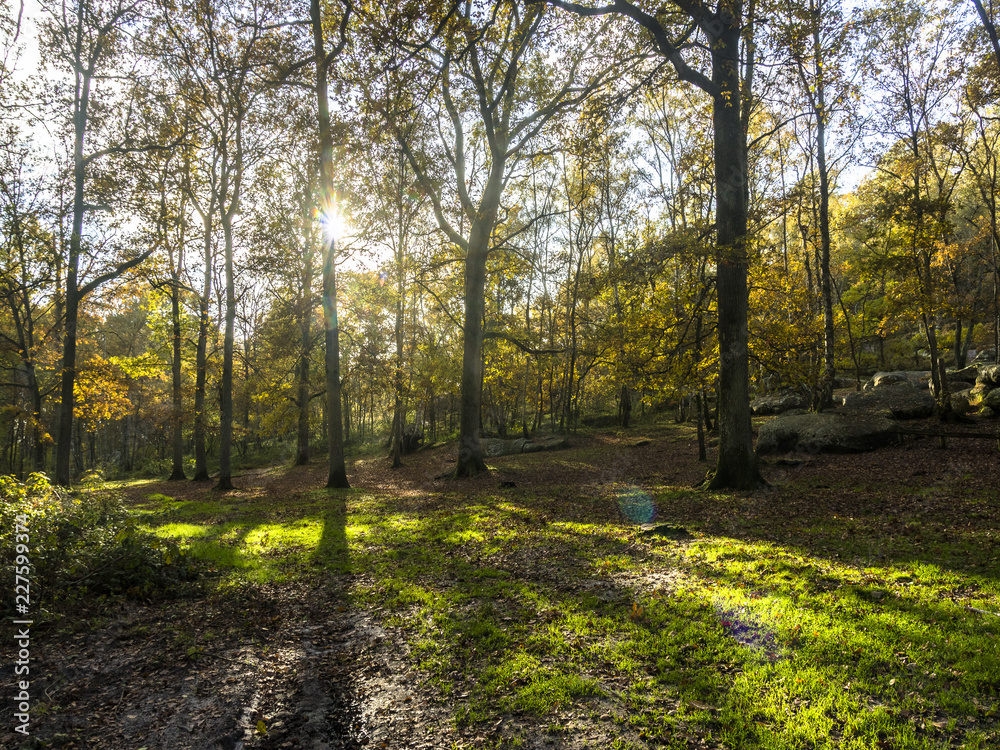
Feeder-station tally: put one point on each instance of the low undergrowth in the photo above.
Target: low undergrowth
(64, 548)
(803, 617)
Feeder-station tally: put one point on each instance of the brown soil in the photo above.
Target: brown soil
(322, 676)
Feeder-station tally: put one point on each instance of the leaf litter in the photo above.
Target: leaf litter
(301, 664)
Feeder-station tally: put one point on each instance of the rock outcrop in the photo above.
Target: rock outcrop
(780, 402)
(916, 378)
(493, 447)
(825, 432)
(898, 399)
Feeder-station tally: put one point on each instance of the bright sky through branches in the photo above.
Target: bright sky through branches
(335, 224)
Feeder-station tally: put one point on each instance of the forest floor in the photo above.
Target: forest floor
(855, 603)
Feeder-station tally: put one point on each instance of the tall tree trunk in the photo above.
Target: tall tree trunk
(64, 448)
(337, 477)
(226, 411)
(305, 362)
(829, 357)
(737, 464)
(201, 359)
(470, 452)
(177, 416)
(398, 415)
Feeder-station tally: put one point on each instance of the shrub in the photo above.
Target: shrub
(84, 545)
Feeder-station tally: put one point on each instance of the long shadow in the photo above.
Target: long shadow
(484, 588)
(327, 706)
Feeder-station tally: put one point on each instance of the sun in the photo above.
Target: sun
(334, 223)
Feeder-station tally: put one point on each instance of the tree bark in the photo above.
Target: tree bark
(737, 466)
(64, 448)
(226, 410)
(829, 337)
(305, 362)
(337, 476)
(470, 452)
(177, 415)
(201, 360)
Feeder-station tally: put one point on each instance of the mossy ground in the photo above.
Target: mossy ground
(855, 604)
(832, 611)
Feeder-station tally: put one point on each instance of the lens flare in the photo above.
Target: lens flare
(636, 505)
(335, 226)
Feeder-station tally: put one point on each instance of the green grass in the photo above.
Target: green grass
(834, 635)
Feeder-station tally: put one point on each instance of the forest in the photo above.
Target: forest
(294, 295)
(239, 232)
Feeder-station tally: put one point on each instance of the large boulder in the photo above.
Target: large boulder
(989, 376)
(992, 400)
(961, 402)
(493, 447)
(900, 400)
(956, 386)
(780, 402)
(825, 432)
(967, 374)
(916, 378)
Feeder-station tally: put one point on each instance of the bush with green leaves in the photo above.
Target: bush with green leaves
(83, 544)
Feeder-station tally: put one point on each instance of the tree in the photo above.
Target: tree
(498, 91)
(820, 44)
(322, 58)
(26, 270)
(84, 36)
(916, 51)
(221, 49)
(728, 83)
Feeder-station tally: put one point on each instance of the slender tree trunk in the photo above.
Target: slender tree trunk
(959, 345)
(38, 442)
(337, 477)
(398, 416)
(829, 339)
(64, 448)
(177, 416)
(201, 360)
(305, 362)
(226, 411)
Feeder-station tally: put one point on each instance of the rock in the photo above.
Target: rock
(987, 412)
(956, 386)
(824, 432)
(977, 393)
(544, 444)
(962, 401)
(989, 375)
(413, 437)
(992, 400)
(968, 373)
(900, 400)
(916, 378)
(780, 402)
(665, 529)
(493, 447)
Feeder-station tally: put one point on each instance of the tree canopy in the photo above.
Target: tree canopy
(242, 231)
